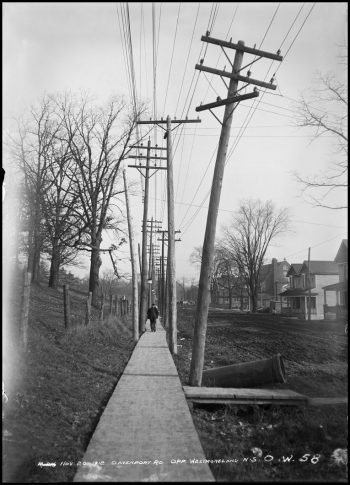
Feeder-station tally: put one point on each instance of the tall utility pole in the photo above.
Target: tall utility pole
(171, 276)
(164, 240)
(209, 239)
(150, 266)
(135, 303)
(154, 226)
(144, 268)
(309, 286)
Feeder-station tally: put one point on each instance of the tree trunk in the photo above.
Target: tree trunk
(54, 268)
(36, 263)
(230, 291)
(34, 256)
(95, 263)
(241, 298)
(253, 298)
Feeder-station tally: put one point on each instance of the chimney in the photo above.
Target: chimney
(275, 278)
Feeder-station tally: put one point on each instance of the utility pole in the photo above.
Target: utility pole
(171, 276)
(144, 269)
(309, 286)
(165, 289)
(152, 249)
(135, 303)
(209, 239)
(150, 267)
(163, 277)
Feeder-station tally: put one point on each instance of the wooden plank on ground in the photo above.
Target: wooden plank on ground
(327, 401)
(146, 432)
(220, 395)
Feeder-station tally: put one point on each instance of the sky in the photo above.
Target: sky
(52, 47)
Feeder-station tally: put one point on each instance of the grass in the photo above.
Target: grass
(58, 389)
(256, 442)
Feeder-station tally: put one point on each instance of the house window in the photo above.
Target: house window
(285, 269)
(343, 272)
(295, 303)
(313, 302)
(298, 281)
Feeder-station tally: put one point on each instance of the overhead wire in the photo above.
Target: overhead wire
(245, 124)
(210, 24)
(188, 55)
(210, 27)
(172, 55)
(186, 226)
(154, 57)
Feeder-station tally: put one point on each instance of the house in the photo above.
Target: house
(338, 291)
(320, 274)
(233, 296)
(272, 281)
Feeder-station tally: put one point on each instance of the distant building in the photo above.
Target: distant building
(322, 273)
(236, 297)
(272, 281)
(338, 291)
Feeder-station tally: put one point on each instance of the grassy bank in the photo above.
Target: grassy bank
(271, 443)
(58, 389)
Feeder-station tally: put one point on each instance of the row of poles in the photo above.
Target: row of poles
(229, 104)
(148, 165)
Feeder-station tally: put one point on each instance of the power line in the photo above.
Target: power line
(297, 34)
(193, 217)
(172, 55)
(188, 55)
(312, 247)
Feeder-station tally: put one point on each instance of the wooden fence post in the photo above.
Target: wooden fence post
(25, 309)
(88, 309)
(116, 305)
(100, 318)
(110, 303)
(66, 303)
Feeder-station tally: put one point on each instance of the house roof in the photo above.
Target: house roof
(294, 269)
(268, 277)
(320, 267)
(297, 292)
(342, 254)
(342, 286)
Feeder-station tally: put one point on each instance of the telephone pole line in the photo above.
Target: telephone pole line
(163, 289)
(144, 269)
(135, 303)
(171, 276)
(309, 286)
(209, 239)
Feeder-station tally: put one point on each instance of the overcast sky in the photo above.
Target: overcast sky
(51, 47)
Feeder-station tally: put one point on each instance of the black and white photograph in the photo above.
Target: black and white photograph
(174, 242)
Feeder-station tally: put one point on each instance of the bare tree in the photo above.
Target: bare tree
(99, 140)
(60, 208)
(108, 282)
(325, 112)
(196, 258)
(247, 238)
(229, 278)
(31, 148)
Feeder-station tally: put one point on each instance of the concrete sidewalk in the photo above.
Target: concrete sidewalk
(146, 432)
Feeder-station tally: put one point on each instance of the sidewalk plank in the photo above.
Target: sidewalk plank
(147, 420)
(230, 395)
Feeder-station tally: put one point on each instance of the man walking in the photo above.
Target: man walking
(152, 315)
